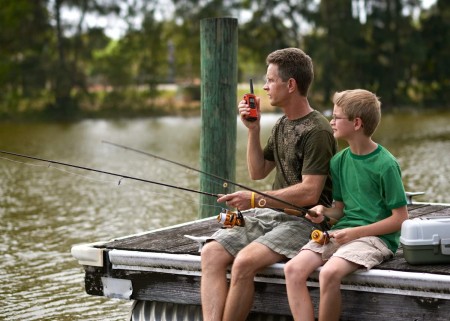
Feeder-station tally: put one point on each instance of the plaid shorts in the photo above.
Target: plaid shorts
(366, 251)
(282, 233)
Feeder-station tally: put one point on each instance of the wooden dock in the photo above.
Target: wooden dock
(161, 270)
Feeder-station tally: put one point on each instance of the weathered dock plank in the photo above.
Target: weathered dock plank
(174, 241)
(163, 267)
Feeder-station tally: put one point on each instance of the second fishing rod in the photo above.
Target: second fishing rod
(293, 210)
(226, 217)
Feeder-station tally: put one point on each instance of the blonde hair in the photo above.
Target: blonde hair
(360, 103)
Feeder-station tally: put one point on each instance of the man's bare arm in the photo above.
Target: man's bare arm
(258, 167)
(306, 193)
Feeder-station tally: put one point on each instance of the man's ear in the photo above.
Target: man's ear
(292, 85)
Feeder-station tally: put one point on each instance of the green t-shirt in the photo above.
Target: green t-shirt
(370, 186)
(299, 147)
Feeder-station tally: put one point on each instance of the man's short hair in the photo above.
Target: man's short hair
(293, 63)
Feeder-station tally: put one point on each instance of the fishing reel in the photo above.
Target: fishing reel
(230, 219)
(321, 237)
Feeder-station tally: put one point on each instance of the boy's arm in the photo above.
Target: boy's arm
(388, 225)
(334, 213)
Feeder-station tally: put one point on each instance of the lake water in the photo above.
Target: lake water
(44, 210)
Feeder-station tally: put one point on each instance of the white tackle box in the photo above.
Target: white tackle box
(426, 240)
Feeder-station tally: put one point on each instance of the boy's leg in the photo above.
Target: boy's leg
(330, 279)
(248, 262)
(364, 252)
(214, 287)
(296, 273)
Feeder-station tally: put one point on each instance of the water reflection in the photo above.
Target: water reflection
(421, 142)
(44, 209)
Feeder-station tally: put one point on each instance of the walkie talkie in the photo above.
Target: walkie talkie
(250, 99)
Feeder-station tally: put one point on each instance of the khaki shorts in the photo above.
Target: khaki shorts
(366, 251)
(282, 233)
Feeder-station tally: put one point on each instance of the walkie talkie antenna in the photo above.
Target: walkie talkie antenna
(251, 86)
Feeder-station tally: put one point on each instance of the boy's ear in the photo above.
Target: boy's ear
(358, 123)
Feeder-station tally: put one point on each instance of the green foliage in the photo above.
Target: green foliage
(112, 66)
(24, 54)
(392, 47)
(434, 69)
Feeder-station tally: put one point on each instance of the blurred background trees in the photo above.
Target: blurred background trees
(53, 65)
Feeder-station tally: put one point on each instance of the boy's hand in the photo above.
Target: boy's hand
(344, 236)
(319, 211)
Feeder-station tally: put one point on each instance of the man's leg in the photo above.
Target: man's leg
(296, 273)
(248, 262)
(215, 260)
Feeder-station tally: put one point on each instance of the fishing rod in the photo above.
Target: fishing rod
(297, 211)
(287, 210)
(227, 217)
(109, 173)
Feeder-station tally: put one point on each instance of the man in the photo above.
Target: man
(299, 149)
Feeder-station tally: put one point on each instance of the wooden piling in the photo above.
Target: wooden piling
(218, 44)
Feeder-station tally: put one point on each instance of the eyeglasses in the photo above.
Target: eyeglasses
(334, 117)
(272, 80)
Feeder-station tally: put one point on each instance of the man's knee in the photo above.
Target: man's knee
(247, 264)
(214, 254)
(242, 269)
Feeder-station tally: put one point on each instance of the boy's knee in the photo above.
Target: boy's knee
(294, 271)
(289, 269)
(328, 275)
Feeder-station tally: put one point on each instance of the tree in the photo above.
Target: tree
(67, 73)
(392, 46)
(337, 30)
(434, 70)
(370, 47)
(272, 25)
(24, 55)
(375, 44)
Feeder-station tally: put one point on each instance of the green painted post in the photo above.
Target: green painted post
(218, 44)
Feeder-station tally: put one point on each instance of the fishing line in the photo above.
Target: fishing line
(122, 176)
(110, 173)
(224, 184)
(302, 209)
(119, 183)
(19, 162)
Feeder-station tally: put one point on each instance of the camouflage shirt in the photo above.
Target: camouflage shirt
(299, 147)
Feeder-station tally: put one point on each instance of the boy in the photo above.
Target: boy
(370, 206)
